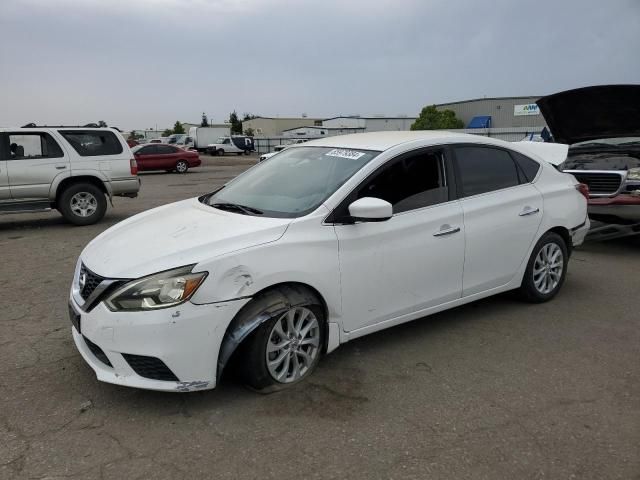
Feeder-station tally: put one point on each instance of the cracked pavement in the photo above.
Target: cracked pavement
(495, 389)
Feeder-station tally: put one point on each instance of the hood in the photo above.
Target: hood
(174, 235)
(591, 113)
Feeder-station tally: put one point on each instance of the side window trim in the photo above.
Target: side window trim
(450, 178)
(458, 175)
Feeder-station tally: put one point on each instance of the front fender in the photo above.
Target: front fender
(262, 308)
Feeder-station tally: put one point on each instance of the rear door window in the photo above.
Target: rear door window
(485, 169)
(91, 143)
(165, 150)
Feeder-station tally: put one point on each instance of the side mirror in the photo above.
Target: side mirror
(370, 209)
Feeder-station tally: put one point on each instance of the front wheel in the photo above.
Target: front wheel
(220, 152)
(285, 349)
(82, 204)
(182, 166)
(546, 270)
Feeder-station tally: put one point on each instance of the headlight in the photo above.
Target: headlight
(633, 174)
(161, 290)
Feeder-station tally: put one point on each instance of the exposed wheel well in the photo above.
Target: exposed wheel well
(237, 333)
(67, 182)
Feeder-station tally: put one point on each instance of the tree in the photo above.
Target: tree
(205, 120)
(236, 124)
(178, 128)
(248, 116)
(167, 132)
(249, 132)
(433, 119)
(102, 123)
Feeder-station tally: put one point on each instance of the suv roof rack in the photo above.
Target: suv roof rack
(88, 125)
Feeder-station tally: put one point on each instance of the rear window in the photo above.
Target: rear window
(527, 166)
(90, 143)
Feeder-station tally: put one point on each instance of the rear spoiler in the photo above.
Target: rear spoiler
(553, 153)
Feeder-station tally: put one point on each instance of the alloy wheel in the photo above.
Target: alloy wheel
(84, 204)
(293, 345)
(547, 268)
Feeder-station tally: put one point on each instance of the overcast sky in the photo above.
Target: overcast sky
(138, 63)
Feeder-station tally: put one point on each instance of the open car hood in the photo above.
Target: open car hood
(591, 113)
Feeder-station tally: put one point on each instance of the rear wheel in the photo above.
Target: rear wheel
(182, 166)
(82, 204)
(546, 270)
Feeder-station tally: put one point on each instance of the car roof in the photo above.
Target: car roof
(385, 140)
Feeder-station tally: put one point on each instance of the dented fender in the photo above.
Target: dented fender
(264, 307)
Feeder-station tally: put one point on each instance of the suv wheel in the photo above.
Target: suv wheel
(182, 166)
(82, 204)
(220, 152)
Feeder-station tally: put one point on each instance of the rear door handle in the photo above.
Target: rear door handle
(446, 230)
(528, 211)
(60, 167)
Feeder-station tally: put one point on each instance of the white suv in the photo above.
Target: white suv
(70, 169)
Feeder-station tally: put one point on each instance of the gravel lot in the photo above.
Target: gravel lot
(495, 389)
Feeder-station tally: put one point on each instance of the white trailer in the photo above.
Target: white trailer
(200, 137)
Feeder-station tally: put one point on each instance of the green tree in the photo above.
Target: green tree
(178, 128)
(248, 116)
(433, 119)
(249, 132)
(236, 124)
(167, 132)
(205, 120)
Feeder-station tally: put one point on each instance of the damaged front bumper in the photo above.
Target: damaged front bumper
(173, 349)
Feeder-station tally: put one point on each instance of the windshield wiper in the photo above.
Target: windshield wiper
(237, 208)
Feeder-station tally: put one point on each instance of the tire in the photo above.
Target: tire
(220, 152)
(238, 153)
(287, 311)
(545, 272)
(182, 166)
(82, 204)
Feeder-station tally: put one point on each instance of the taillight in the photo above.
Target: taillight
(134, 167)
(583, 188)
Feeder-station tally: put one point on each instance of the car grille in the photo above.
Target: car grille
(150, 367)
(91, 281)
(600, 183)
(97, 351)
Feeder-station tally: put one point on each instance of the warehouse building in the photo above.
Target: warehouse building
(371, 124)
(498, 112)
(274, 126)
(321, 131)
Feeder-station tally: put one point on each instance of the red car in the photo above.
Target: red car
(165, 157)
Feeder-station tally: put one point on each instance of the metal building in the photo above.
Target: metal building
(498, 112)
(274, 126)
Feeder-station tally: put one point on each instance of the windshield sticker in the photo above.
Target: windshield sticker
(350, 154)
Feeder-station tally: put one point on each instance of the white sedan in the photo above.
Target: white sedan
(326, 242)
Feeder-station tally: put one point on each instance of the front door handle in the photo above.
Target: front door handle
(446, 230)
(528, 211)
(60, 167)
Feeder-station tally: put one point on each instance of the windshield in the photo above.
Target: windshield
(613, 142)
(293, 183)
(220, 139)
